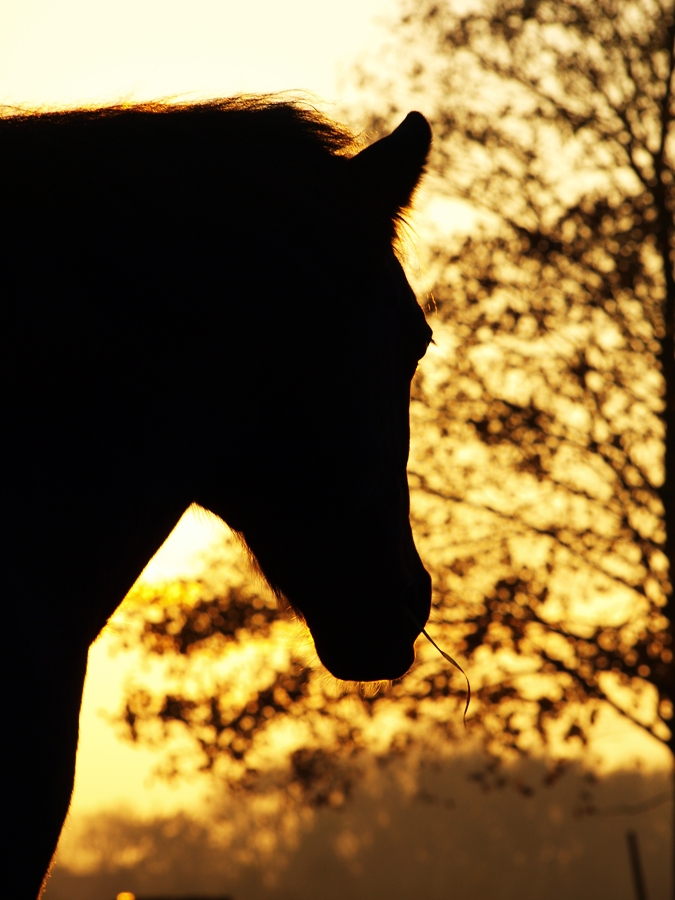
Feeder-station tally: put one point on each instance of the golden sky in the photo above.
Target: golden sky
(64, 52)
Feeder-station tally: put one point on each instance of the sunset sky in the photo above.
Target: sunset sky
(62, 53)
(65, 52)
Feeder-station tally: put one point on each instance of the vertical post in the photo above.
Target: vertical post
(636, 865)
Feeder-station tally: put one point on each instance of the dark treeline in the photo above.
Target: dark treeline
(439, 835)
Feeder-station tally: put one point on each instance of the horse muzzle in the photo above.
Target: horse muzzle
(377, 644)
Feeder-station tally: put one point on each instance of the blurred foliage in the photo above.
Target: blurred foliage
(537, 461)
(538, 468)
(258, 717)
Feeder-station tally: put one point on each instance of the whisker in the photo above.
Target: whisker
(445, 655)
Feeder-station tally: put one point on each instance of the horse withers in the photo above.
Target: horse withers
(202, 303)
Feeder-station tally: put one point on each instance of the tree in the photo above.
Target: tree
(553, 121)
(539, 494)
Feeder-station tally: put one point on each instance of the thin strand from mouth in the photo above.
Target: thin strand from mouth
(445, 656)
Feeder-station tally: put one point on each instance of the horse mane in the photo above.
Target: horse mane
(266, 115)
(290, 139)
(263, 116)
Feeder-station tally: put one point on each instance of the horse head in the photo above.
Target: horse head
(317, 484)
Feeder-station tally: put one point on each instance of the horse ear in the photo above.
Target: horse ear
(389, 170)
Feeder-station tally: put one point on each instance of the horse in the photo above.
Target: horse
(202, 303)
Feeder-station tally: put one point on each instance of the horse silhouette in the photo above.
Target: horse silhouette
(202, 303)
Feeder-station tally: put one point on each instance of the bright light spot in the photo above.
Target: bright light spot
(188, 548)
